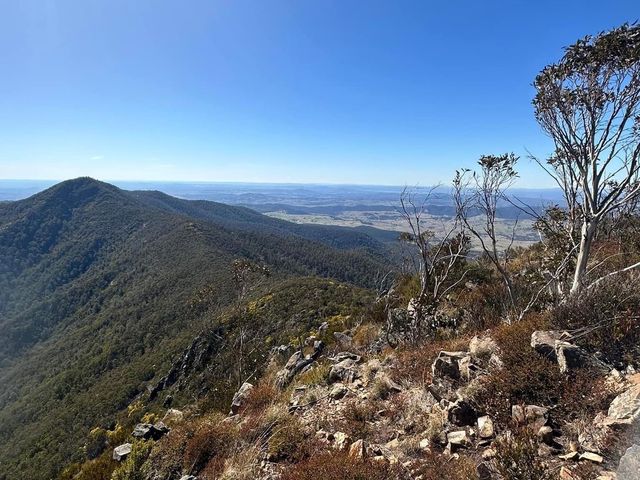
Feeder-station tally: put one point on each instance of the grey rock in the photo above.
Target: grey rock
(625, 408)
(592, 457)
(530, 414)
(147, 431)
(296, 364)
(342, 338)
(544, 342)
(240, 397)
(121, 452)
(545, 434)
(458, 438)
(629, 466)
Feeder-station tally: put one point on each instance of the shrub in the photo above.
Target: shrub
(526, 376)
(288, 440)
(357, 418)
(605, 319)
(366, 335)
(260, 397)
(133, 468)
(517, 457)
(242, 465)
(438, 467)
(317, 375)
(212, 437)
(338, 466)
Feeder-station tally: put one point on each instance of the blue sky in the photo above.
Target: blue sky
(373, 92)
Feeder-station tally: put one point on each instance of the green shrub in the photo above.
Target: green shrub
(133, 468)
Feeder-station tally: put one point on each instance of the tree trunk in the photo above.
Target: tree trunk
(589, 228)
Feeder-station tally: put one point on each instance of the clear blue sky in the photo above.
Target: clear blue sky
(344, 91)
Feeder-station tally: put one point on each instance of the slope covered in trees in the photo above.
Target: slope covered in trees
(100, 288)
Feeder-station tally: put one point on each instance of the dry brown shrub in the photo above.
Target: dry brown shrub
(338, 466)
(434, 466)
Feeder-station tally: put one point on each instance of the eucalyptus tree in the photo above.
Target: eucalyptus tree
(588, 103)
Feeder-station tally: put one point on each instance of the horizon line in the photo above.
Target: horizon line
(237, 182)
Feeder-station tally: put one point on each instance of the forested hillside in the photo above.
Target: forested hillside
(100, 288)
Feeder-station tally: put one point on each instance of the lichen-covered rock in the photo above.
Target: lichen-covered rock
(544, 342)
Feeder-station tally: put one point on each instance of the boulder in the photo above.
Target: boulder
(346, 355)
(296, 363)
(485, 427)
(570, 356)
(121, 452)
(629, 466)
(342, 338)
(147, 431)
(544, 342)
(447, 364)
(240, 397)
(625, 408)
(545, 434)
(555, 345)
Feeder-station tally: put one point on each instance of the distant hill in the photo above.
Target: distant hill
(97, 287)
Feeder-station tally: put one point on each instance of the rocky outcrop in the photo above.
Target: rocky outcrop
(296, 363)
(195, 358)
(346, 368)
(555, 345)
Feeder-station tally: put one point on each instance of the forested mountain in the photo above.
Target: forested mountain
(97, 294)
